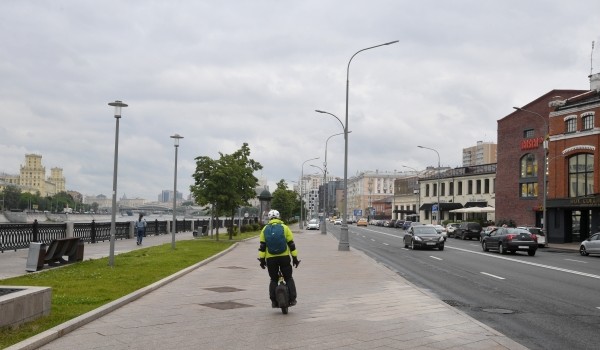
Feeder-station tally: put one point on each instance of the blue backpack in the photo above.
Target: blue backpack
(275, 239)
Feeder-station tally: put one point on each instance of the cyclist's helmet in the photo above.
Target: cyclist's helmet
(273, 214)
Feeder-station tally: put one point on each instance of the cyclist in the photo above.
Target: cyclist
(276, 246)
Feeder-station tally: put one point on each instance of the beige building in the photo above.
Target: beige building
(482, 153)
(32, 177)
(368, 187)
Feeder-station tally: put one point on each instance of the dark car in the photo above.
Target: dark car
(422, 236)
(508, 239)
(468, 230)
(399, 223)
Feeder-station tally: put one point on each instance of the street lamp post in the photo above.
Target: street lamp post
(418, 192)
(323, 230)
(438, 184)
(111, 256)
(176, 139)
(545, 145)
(344, 243)
(325, 188)
(301, 194)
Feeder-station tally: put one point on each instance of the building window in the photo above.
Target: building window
(529, 189)
(470, 187)
(528, 134)
(528, 165)
(581, 175)
(478, 187)
(460, 188)
(451, 189)
(443, 192)
(571, 125)
(427, 190)
(486, 186)
(588, 122)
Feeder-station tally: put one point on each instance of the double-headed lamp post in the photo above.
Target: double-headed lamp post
(418, 192)
(545, 144)
(111, 256)
(301, 194)
(176, 139)
(438, 184)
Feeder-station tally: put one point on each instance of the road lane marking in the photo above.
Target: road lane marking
(549, 267)
(435, 257)
(385, 243)
(372, 240)
(489, 274)
(579, 261)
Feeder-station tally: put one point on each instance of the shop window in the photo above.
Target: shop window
(529, 189)
(588, 122)
(570, 125)
(528, 165)
(528, 134)
(581, 175)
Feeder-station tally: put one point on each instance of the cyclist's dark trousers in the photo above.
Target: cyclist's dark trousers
(284, 263)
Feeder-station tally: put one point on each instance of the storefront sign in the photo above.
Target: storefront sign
(532, 143)
(595, 201)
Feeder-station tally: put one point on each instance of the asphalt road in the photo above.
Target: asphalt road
(548, 301)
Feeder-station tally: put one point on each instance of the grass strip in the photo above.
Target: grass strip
(81, 287)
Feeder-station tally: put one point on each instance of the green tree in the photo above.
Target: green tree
(226, 183)
(11, 196)
(285, 201)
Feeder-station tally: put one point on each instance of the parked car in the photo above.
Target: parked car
(468, 230)
(590, 245)
(337, 221)
(538, 232)
(423, 236)
(451, 227)
(362, 222)
(313, 224)
(399, 223)
(509, 239)
(441, 230)
(486, 230)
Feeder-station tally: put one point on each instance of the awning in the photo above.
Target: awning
(475, 204)
(443, 206)
(404, 211)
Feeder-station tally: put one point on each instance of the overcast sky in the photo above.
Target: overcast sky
(221, 73)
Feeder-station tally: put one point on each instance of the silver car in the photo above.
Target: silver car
(590, 245)
(313, 224)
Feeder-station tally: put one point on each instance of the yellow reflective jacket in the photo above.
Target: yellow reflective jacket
(289, 237)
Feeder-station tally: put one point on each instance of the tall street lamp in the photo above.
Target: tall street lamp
(417, 192)
(176, 139)
(344, 243)
(438, 214)
(325, 188)
(323, 229)
(111, 256)
(301, 194)
(545, 198)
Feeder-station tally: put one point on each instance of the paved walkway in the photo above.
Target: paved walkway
(345, 301)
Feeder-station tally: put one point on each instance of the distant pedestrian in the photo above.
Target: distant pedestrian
(140, 229)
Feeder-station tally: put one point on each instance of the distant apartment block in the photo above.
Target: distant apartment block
(166, 196)
(482, 153)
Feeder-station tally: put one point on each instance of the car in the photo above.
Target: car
(468, 230)
(409, 224)
(337, 221)
(313, 224)
(423, 236)
(538, 232)
(486, 230)
(441, 230)
(509, 239)
(362, 222)
(399, 223)
(590, 245)
(451, 227)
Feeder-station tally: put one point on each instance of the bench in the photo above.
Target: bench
(72, 248)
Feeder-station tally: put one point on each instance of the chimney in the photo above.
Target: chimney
(595, 82)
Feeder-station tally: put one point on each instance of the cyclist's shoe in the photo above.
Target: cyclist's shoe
(292, 302)
(274, 304)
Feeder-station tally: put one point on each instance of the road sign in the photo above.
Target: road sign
(357, 212)
(434, 208)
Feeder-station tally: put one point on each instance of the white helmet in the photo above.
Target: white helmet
(273, 214)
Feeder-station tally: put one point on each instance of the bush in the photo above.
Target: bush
(507, 222)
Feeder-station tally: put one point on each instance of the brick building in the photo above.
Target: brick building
(573, 137)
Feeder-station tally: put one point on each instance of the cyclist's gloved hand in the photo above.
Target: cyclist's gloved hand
(263, 263)
(295, 261)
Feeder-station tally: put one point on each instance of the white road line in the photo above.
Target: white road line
(489, 274)
(372, 240)
(385, 243)
(528, 263)
(579, 261)
(435, 257)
